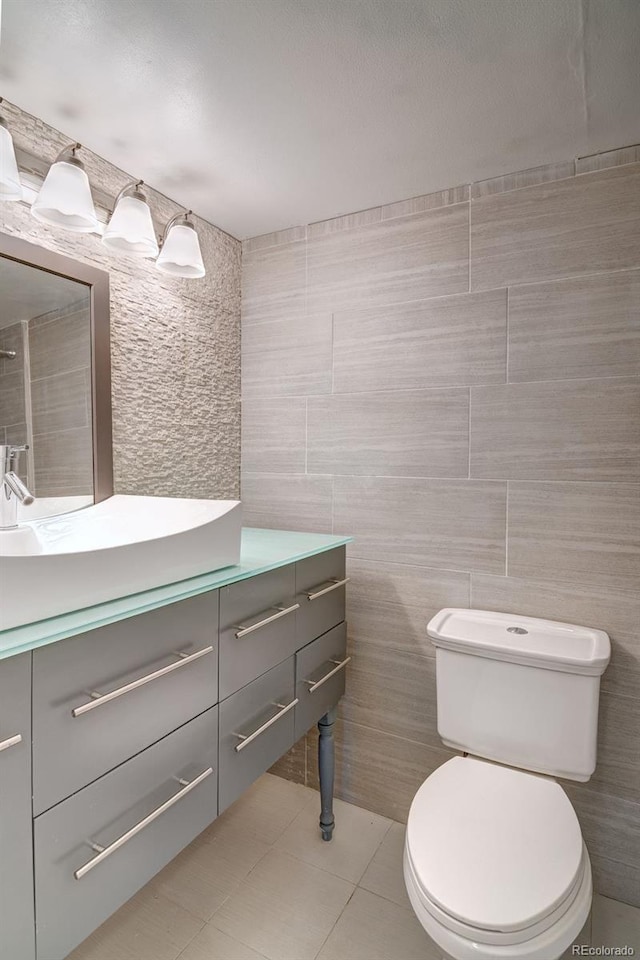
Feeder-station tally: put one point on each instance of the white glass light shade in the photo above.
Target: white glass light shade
(65, 199)
(180, 255)
(130, 229)
(10, 186)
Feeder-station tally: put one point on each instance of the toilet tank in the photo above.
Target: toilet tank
(519, 690)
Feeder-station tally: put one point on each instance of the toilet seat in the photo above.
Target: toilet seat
(495, 855)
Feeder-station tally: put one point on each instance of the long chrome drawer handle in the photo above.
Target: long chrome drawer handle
(265, 726)
(242, 631)
(100, 698)
(10, 742)
(339, 665)
(320, 590)
(104, 852)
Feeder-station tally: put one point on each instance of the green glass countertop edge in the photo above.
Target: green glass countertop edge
(260, 551)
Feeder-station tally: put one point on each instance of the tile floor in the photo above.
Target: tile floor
(260, 884)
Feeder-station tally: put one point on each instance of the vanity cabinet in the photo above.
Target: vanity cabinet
(256, 728)
(144, 730)
(94, 850)
(101, 697)
(17, 935)
(257, 626)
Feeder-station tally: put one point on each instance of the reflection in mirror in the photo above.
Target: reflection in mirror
(45, 385)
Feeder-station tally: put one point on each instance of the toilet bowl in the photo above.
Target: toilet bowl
(495, 865)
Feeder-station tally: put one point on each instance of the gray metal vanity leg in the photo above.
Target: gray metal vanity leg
(326, 768)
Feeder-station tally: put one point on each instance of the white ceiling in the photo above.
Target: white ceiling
(27, 292)
(262, 114)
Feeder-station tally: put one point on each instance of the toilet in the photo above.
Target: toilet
(494, 861)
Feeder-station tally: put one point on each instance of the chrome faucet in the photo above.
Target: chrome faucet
(12, 489)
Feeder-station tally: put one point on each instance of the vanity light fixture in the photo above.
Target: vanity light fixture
(65, 198)
(180, 254)
(10, 186)
(130, 227)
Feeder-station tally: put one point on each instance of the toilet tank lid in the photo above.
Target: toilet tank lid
(526, 640)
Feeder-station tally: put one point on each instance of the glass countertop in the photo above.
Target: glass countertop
(261, 551)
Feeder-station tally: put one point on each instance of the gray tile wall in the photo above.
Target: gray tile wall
(60, 385)
(456, 382)
(175, 343)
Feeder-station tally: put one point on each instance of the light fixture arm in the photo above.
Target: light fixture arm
(134, 186)
(183, 215)
(71, 148)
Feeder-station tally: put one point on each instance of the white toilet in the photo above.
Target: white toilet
(494, 863)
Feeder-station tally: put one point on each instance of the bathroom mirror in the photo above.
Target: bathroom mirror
(55, 376)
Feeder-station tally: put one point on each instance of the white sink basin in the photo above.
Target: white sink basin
(121, 546)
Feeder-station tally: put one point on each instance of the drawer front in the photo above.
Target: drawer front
(70, 750)
(16, 877)
(320, 593)
(320, 677)
(256, 728)
(142, 814)
(257, 627)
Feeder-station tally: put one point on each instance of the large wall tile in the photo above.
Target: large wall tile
(61, 402)
(522, 178)
(390, 604)
(56, 476)
(378, 771)
(618, 767)
(12, 397)
(392, 691)
(611, 878)
(614, 610)
(449, 341)
(580, 532)
(580, 225)
(409, 433)
(586, 327)
(273, 282)
(558, 430)
(408, 258)
(274, 435)
(288, 357)
(610, 158)
(60, 343)
(456, 524)
(610, 826)
(287, 502)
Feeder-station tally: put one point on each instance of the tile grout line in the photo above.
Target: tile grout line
(507, 343)
(506, 533)
(469, 248)
(442, 387)
(469, 437)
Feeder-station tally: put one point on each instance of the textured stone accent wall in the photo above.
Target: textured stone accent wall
(175, 344)
(454, 380)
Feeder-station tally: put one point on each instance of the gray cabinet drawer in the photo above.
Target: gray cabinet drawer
(16, 862)
(320, 677)
(152, 792)
(256, 728)
(255, 631)
(70, 750)
(320, 594)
